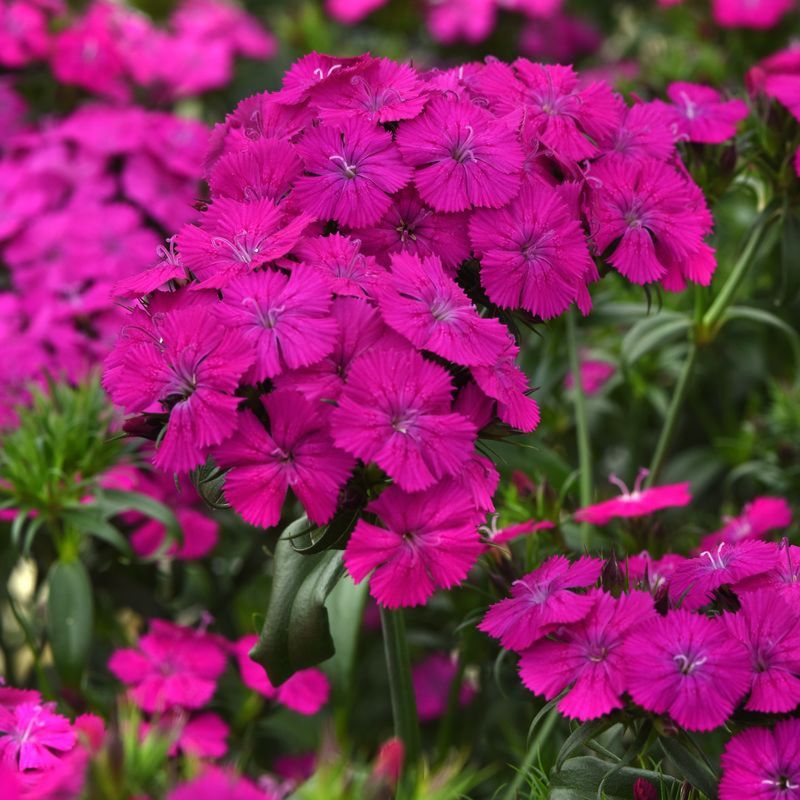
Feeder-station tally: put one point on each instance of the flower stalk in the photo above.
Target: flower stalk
(404, 706)
(581, 422)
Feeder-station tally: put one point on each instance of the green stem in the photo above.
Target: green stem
(404, 706)
(581, 423)
(721, 302)
(512, 792)
(673, 412)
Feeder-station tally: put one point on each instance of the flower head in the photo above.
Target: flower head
(395, 410)
(463, 156)
(703, 116)
(586, 656)
(757, 518)
(637, 503)
(541, 601)
(33, 736)
(172, 667)
(687, 666)
(296, 453)
(762, 764)
(757, 14)
(429, 540)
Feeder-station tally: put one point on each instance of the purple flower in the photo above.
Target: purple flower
(430, 540)
(296, 453)
(687, 666)
(703, 116)
(759, 764)
(395, 410)
(541, 601)
(33, 736)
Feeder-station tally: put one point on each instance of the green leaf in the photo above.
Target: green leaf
(652, 332)
(209, 480)
(761, 317)
(690, 766)
(116, 501)
(296, 634)
(580, 777)
(346, 607)
(70, 617)
(790, 247)
(581, 735)
(88, 520)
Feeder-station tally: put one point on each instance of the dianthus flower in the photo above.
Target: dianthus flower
(296, 453)
(750, 13)
(351, 168)
(687, 666)
(432, 680)
(215, 783)
(533, 252)
(349, 272)
(757, 518)
(430, 540)
(463, 156)
(410, 226)
(471, 21)
(694, 581)
(703, 116)
(306, 692)
(638, 207)
(595, 375)
(426, 306)
(541, 601)
(762, 764)
(586, 656)
(33, 736)
(647, 130)
(234, 238)
(24, 35)
(783, 578)
(395, 410)
(637, 503)
(351, 11)
(190, 365)
(770, 630)
(171, 667)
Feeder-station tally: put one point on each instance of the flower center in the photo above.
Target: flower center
(462, 150)
(716, 560)
(348, 170)
(686, 664)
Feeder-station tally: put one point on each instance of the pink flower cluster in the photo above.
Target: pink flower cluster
(173, 672)
(111, 49)
(692, 638)
(757, 14)
(314, 324)
(85, 201)
(42, 754)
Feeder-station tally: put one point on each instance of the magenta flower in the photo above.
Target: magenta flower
(430, 540)
(594, 375)
(235, 238)
(638, 503)
(553, 107)
(313, 74)
(215, 783)
(285, 321)
(506, 383)
(750, 13)
(306, 692)
(463, 156)
(395, 410)
(783, 578)
(351, 168)
(647, 130)
(703, 116)
(425, 305)
(451, 21)
(200, 736)
(172, 667)
(352, 11)
(384, 91)
(639, 205)
(266, 170)
(512, 532)
(297, 453)
(757, 518)
(191, 367)
(168, 269)
(24, 36)
(770, 630)
(533, 252)
(410, 226)
(33, 736)
(687, 666)
(586, 656)
(759, 764)
(432, 679)
(541, 601)
(694, 581)
(349, 272)
(360, 330)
